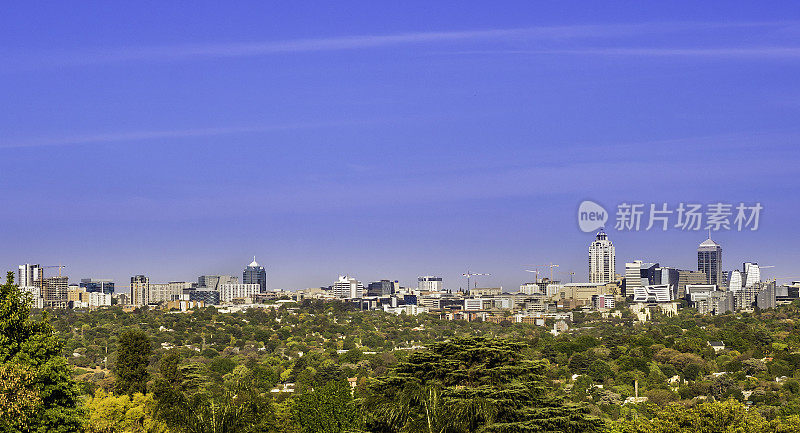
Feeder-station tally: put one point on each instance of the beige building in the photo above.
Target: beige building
(581, 293)
(486, 291)
(80, 298)
(165, 292)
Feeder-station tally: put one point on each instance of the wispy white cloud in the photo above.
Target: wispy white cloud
(732, 52)
(130, 136)
(252, 49)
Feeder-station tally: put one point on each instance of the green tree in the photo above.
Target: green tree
(184, 404)
(328, 409)
(717, 417)
(38, 392)
(116, 414)
(472, 384)
(133, 357)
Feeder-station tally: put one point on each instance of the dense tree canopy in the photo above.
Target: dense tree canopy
(38, 392)
(473, 384)
(209, 365)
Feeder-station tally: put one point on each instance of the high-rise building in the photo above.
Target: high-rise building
(214, 281)
(602, 259)
(709, 260)
(30, 275)
(98, 286)
(765, 298)
(429, 283)
(735, 282)
(380, 288)
(634, 277)
(55, 291)
(165, 292)
(347, 287)
(753, 274)
(255, 274)
(140, 290)
(229, 292)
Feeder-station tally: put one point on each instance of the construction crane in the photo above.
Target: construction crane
(56, 266)
(535, 272)
(551, 266)
(469, 275)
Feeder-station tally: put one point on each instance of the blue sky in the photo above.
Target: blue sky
(389, 139)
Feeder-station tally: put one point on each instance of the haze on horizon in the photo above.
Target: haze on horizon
(390, 140)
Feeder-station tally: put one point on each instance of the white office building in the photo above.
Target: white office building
(753, 274)
(735, 282)
(30, 275)
(347, 287)
(429, 283)
(652, 293)
(35, 294)
(602, 259)
(530, 289)
(633, 276)
(229, 292)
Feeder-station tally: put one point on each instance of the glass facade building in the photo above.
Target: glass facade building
(709, 260)
(255, 274)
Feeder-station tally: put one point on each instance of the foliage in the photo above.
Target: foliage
(328, 409)
(595, 364)
(184, 404)
(714, 417)
(109, 413)
(468, 385)
(133, 357)
(39, 393)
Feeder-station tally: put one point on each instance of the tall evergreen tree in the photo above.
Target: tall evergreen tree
(133, 357)
(33, 369)
(471, 385)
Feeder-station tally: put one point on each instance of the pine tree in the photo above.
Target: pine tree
(133, 357)
(471, 385)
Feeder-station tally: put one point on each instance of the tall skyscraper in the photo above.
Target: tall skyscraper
(255, 274)
(602, 259)
(140, 290)
(709, 260)
(30, 276)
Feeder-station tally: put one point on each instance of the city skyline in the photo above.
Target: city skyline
(390, 140)
(460, 281)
